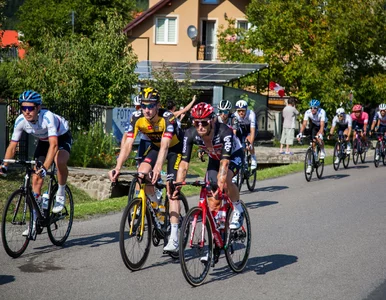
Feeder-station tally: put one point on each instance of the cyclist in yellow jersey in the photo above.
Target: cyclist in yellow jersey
(160, 126)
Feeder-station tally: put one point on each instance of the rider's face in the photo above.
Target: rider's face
(242, 112)
(314, 109)
(202, 126)
(224, 114)
(383, 113)
(30, 111)
(149, 109)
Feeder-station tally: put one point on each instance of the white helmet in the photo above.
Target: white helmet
(224, 104)
(241, 104)
(137, 101)
(340, 111)
(382, 106)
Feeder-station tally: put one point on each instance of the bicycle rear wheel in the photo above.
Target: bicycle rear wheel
(346, 160)
(133, 245)
(197, 253)
(356, 151)
(377, 152)
(309, 161)
(363, 153)
(184, 208)
(319, 165)
(238, 242)
(16, 218)
(250, 175)
(335, 156)
(60, 224)
(240, 177)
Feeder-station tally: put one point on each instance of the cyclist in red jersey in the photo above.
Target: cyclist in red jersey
(360, 119)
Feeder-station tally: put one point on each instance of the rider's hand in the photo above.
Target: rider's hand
(299, 136)
(113, 175)
(176, 193)
(156, 174)
(41, 172)
(3, 170)
(328, 136)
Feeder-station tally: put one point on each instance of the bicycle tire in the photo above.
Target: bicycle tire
(346, 160)
(309, 160)
(355, 154)
(238, 242)
(240, 177)
(383, 154)
(17, 215)
(183, 211)
(251, 175)
(377, 150)
(363, 154)
(336, 155)
(191, 253)
(319, 165)
(60, 224)
(133, 245)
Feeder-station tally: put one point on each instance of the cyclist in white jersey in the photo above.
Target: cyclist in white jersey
(245, 127)
(54, 144)
(343, 122)
(225, 114)
(379, 120)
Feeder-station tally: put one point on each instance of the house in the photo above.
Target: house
(183, 30)
(10, 39)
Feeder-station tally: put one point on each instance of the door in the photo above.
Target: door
(209, 39)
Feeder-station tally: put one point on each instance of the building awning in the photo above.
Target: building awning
(200, 72)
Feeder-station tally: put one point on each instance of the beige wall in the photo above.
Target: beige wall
(188, 12)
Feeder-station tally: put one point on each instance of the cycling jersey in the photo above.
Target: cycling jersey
(362, 119)
(378, 116)
(346, 121)
(224, 142)
(245, 124)
(48, 124)
(320, 116)
(229, 121)
(166, 126)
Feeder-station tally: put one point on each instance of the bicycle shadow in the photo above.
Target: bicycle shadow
(4, 279)
(259, 265)
(258, 204)
(336, 176)
(271, 189)
(358, 167)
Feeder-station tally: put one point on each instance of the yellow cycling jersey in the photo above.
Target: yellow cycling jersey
(166, 126)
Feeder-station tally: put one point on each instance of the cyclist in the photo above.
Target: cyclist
(225, 157)
(160, 127)
(344, 123)
(360, 120)
(224, 113)
(317, 126)
(379, 122)
(54, 144)
(245, 127)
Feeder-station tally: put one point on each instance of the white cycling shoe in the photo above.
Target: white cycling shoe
(59, 204)
(172, 246)
(309, 169)
(25, 232)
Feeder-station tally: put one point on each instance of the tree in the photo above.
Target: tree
(321, 49)
(2, 15)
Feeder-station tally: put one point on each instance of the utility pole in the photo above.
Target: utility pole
(73, 20)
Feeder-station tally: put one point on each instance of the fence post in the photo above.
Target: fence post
(3, 124)
(107, 118)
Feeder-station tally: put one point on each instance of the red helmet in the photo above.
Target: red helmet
(202, 110)
(357, 107)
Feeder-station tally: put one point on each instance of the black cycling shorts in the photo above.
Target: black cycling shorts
(235, 163)
(64, 142)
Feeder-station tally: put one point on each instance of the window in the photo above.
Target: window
(210, 1)
(242, 24)
(166, 30)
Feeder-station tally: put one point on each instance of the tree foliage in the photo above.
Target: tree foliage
(320, 49)
(99, 68)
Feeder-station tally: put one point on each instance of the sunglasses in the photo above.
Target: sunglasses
(28, 108)
(241, 110)
(148, 106)
(225, 111)
(197, 123)
(314, 107)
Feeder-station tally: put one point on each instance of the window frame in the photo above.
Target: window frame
(167, 18)
(215, 2)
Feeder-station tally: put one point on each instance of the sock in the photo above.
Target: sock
(174, 232)
(61, 190)
(237, 206)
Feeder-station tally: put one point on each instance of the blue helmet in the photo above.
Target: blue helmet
(314, 103)
(30, 96)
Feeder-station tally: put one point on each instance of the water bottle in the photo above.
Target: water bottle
(39, 202)
(45, 200)
(158, 193)
(161, 213)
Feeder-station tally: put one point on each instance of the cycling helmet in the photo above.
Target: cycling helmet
(314, 103)
(30, 96)
(149, 94)
(137, 101)
(382, 106)
(202, 110)
(241, 104)
(357, 107)
(340, 111)
(224, 104)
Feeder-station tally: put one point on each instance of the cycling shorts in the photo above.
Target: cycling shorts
(64, 143)
(235, 163)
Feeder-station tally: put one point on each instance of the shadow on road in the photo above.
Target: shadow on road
(336, 176)
(4, 279)
(258, 204)
(266, 189)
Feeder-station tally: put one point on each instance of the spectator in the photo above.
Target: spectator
(288, 133)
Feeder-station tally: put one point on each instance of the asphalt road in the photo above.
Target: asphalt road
(325, 239)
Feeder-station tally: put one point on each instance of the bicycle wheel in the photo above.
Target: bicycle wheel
(250, 175)
(240, 177)
(184, 208)
(131, 195)
(346, 160)
(319, 165)
(363, 153)
(309, 161)
(377, 151)
(238, 242)
(16, 218)
(60, 224)
(383, 154)
(355, 153)
(134, 246)
(197, 253)
(335, 156)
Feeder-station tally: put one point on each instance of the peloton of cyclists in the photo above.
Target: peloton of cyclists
(343, 123)
(317, 125)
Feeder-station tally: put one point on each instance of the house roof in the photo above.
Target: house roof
(146, 14)
(199, 72)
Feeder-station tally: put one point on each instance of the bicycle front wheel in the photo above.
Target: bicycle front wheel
(131, 195)
(134, 245)
(308, 164)
(346, 160)
(16, 218)
(196, 253)
(377, 154)
(251, 175)
(60, 224)
(238, 242)
(356, 151)
(319, 165)
(363, 153)
(335, 156)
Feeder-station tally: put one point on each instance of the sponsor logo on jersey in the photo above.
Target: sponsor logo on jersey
(130, 128)
(148, 160)
(149, 127)
(170, 128)
(168, 135)
(228, 143)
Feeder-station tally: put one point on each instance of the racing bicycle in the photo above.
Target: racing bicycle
(359, 148)
(380, 149)
(246, 173)
(340, 152)
(312, 162)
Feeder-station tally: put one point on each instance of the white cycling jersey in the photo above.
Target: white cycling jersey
(345, 121)
(248, 120)
(378, 116)
(48, 124)
(316, 118)
(229, 121)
